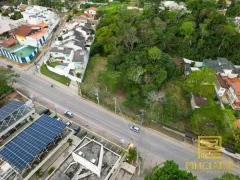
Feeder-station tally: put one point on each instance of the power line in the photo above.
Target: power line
(134, 141)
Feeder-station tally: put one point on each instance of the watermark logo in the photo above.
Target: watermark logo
(209, 147)
(209, 155)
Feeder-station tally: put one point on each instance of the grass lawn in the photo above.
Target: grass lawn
(176, 92)
(112, 6)
(95, 65)
(54, 64)
(62, 79)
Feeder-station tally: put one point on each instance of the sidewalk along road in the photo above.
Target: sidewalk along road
(150, 143)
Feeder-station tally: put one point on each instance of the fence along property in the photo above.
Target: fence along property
(19, 59)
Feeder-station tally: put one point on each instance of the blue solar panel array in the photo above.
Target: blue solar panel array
(22, 149)
(11, 107)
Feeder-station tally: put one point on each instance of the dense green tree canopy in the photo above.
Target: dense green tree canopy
(228, 176)
(213, 120)
(169, 171)
(201, 82)
(7, 78)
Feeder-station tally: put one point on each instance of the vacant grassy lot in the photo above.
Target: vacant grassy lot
(62, 79)
(113, 6)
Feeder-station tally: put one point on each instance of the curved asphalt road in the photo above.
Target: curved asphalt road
(154, 147)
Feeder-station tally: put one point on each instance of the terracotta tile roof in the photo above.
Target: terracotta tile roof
(42, 24)
(80, 17)
(24, 30)
(92, 8)
(237, 88)
(88, 15)
(231, 81)
(199, 100)
(238, 123)
(38, 35)
(9, 42)
(222, 82)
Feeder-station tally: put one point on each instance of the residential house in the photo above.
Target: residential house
(9, 42)
(80, 18)
(80, 33)
(221, 85)
(74, 44)
(197, 101)
(228, 2)
(4, 26)
(32, 14)
(233, 92)
(187, 69)
(172, 5)
(63, 54)
(32, 35)
(84, 30)
(38, 14)
(222, 66)
(8, 25)
(22, 7)
(91, 10)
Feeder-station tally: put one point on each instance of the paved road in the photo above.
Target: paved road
(154, 147)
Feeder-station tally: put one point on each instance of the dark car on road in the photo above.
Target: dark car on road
(76, 129)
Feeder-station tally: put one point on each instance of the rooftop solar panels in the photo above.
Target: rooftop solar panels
(22, 149)
(12, 113)
(10, 108)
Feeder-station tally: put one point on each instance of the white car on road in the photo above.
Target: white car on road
(135, 128)
(68, 114)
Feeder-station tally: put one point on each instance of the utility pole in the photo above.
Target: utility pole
(31, 97)
(142, 115)
(97, 94)
(55, 108)
(79, 88)
(115, 104)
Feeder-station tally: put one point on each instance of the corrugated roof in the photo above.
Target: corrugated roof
(199, 100)
(222, 82)
(9, 42)
(24, 30)
(78, 57)
(38, 35)
(92, 8)
(64, 50)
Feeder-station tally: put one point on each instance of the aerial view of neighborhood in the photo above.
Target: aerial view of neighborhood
(119, 90)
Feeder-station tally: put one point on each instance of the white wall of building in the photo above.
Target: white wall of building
(220, 91)
(84, 33)
(231, 95)
(4, 26)
(67, 57)
(90, 12)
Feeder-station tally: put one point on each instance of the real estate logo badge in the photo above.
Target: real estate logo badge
(209, 147)
(209, 155)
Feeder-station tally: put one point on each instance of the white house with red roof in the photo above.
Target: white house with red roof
(91, 10)
(32, 35)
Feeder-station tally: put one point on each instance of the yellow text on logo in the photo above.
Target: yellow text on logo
(209, 147)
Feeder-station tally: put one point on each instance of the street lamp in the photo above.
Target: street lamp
(55, 108)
